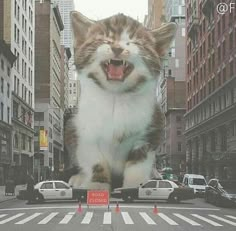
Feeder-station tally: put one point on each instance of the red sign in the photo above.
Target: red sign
(98, 197)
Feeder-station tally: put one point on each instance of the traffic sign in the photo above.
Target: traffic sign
(97, 197)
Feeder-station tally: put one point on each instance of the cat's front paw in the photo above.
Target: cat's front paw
(76, 180)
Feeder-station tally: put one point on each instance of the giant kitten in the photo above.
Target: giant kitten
(118, 124)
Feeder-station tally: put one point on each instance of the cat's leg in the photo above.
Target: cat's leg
(96, 176)
(138, 171)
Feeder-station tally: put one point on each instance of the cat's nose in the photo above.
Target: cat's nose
(117, 50)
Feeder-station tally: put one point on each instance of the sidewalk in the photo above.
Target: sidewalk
(9, 197)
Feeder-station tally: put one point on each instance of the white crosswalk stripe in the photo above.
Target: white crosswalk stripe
(191, 222)
(147, 218)
(87, 218)
(206, 220)
(67, 218)
(167, 219)
(27, 219)
(127, 219)
(48, 218)
(11, 218)
(107, 218)
(222, 219)
(229, 216)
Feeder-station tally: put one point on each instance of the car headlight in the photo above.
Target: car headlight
(226, 195)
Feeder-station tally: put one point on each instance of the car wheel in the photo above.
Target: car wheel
(173, 198)
(128, 198)
(39, 198)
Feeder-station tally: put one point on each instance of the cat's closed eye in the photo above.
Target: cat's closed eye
(107, 41)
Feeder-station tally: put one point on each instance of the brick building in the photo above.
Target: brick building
(211, 90)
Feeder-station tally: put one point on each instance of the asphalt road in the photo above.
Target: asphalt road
(191, 215)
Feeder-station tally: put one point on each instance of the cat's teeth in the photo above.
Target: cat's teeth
(109, 61)
(124, 63)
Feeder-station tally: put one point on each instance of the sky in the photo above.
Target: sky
(99, 9)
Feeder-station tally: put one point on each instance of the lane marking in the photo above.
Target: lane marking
(11, 218)
(107, 218)
(191, 222)
(229, 216)
(222, 219)
(147, 218)
(67, 218)
(167, 219)
(113, 206)
(48, 218)
(28, 218)
(87, 218)
(206, 220)
(127, 219)
(2, 215)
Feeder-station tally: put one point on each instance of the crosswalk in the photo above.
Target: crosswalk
(127, 218)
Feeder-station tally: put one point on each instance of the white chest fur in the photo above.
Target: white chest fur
(104, 118)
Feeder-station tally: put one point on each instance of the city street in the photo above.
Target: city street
(190, 215)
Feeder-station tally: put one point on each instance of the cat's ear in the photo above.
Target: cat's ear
(164, 36)
(80, 25)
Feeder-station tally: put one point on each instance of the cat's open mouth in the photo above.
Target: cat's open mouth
(117, 69)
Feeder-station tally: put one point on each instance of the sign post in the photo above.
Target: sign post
(98, 198)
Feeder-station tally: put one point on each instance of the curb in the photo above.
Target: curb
(8, 199)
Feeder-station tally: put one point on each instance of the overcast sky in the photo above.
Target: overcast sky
(98, 9)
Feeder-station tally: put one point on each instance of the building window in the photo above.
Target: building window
(224, 75)
(23, 141)
(15, 141)
(223, 139)
(2, 111)
(30, 143)
(179, 146)
(213, 141)
(15, 110)
(8, 115)
(2, 85)
(8, 90)
(2, 64)
(233, 127)
(179, 133)
(50, 150)
(231, 66)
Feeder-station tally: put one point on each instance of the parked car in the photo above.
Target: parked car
(221, 192)
(196, 182)
(54, 190)
(154, 190)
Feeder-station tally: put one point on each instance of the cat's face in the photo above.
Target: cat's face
(118, 53)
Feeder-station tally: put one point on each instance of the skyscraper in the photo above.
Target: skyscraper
(17, 28)
(65, 7)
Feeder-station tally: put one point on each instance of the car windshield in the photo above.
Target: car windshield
(197, 181)
(227, 185)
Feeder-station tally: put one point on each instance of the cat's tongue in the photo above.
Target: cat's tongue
(115, 72)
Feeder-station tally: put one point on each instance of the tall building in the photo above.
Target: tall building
(7, 59)
(171, 152)
(17, 29)
(156, 14)
(211, 90)
(49, 110)
(65, 7)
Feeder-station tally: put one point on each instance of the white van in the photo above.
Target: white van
(197, 182)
